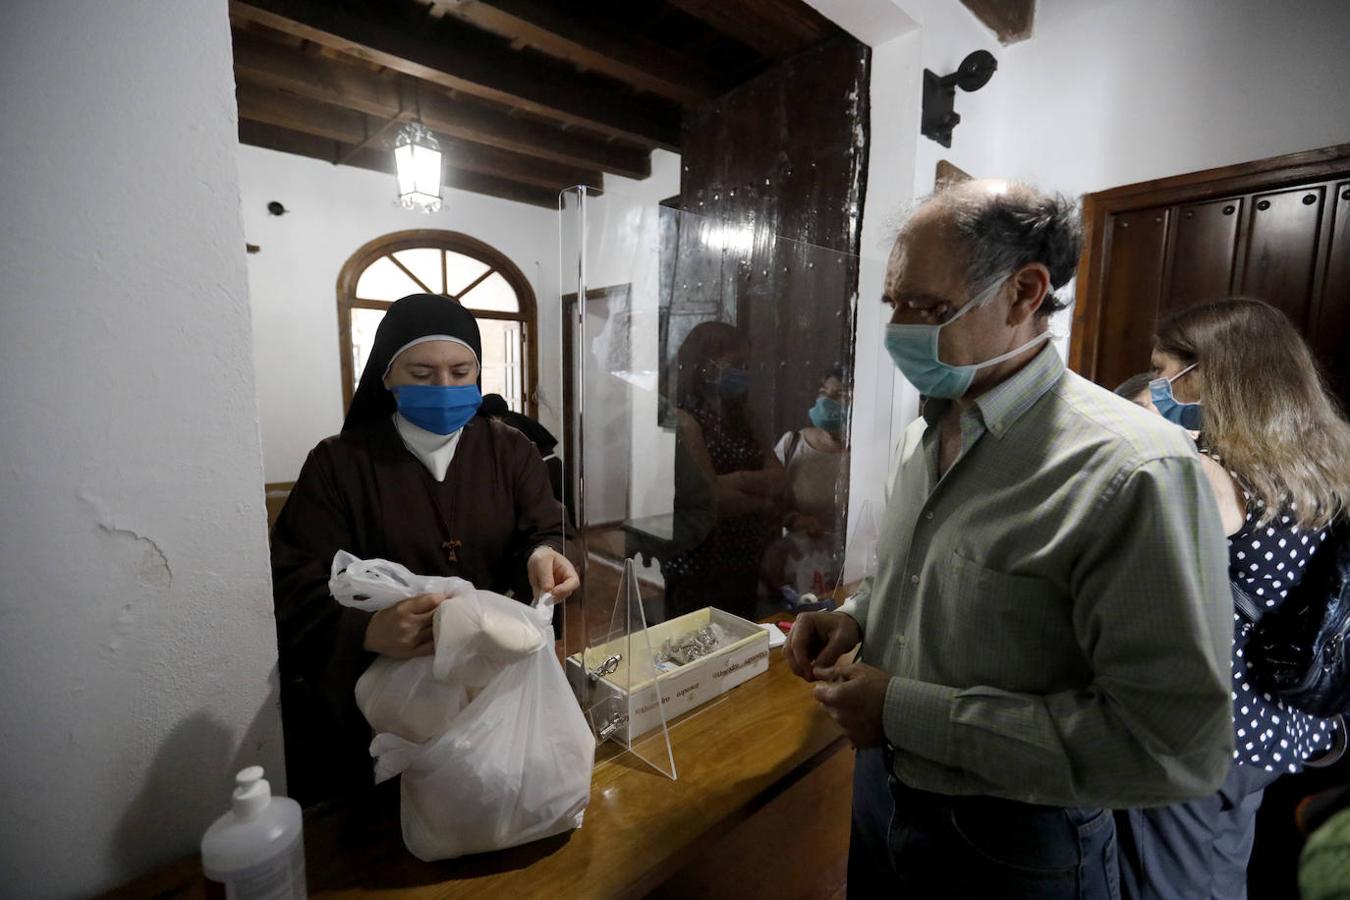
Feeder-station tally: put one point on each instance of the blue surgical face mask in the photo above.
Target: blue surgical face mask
(733, 383)
(1187, 415)
(914, 349)
(828, 415)
(438, 408)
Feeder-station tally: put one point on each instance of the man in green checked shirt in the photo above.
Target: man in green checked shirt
(1048, 632)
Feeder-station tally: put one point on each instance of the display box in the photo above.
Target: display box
(683, 688)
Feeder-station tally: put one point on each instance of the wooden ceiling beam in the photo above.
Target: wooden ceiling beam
(272, 137)
(567, 35)
(1010, 20)
(476, 64)
(774, 28)
(345, 84)
(356, 130)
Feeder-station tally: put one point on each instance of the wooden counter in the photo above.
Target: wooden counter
(761, 809)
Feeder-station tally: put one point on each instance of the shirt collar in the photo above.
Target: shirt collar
(1002, 405)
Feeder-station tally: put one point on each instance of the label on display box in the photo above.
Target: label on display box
(684, 688)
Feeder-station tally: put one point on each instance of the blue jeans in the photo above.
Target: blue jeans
(1197, 850)
(914, 844)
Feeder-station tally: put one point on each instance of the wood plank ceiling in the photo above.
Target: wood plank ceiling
(526, 96)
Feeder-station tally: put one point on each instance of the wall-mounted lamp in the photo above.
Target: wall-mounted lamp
(939, 94)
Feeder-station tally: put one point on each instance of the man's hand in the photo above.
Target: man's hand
(551, 572)
(404, 629)
(855, 697)
(817, 640)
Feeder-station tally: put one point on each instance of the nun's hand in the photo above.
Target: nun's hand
(553, 573)
(403, 630)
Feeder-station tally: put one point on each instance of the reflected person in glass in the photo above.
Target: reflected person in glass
(420, 477)
(715, 435)
(808, 557)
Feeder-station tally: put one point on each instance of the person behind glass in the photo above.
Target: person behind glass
(815, 459)
(419, 477)
(1046, 634)
(715, 435)
(1277, 453)
(1136, 390)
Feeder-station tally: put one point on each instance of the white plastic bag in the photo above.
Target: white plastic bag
(493, 749)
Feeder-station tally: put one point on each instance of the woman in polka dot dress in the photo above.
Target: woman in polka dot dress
(1277, 454)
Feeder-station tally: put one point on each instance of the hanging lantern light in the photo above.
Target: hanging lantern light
(417, 157)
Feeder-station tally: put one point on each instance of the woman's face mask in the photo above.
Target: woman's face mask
(829, 415)
(733, 382)
(1188, 415)
(438, 408)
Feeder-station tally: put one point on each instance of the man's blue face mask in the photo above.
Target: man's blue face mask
(914, 350)
(1188, 415)
(438, 408)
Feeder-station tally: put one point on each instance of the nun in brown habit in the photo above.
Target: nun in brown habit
(418, 477)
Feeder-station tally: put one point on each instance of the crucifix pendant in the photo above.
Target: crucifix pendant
(451, 548)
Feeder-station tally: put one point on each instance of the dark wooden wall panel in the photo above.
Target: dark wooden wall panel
(1202, 250)
(784, 158)
(1135, 274)
(1281, 254)
(1330, 336)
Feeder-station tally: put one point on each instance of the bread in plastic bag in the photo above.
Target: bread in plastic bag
(493, 749)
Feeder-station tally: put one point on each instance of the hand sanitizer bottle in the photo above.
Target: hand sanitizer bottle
(256, 851)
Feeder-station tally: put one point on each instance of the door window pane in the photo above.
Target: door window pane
(385, 281)
(461, 271)
(425, 263)
(501, 361)
(495, 294)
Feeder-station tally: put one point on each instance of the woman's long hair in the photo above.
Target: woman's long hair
(1267, 412)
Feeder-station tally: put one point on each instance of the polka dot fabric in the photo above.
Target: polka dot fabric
(1267, 562)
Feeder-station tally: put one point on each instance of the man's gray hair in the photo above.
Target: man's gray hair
(1003, 231)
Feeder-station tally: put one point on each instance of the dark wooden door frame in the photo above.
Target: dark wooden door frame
(1274, 172)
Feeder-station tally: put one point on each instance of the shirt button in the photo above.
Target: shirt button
(928, 515)
(914, 579)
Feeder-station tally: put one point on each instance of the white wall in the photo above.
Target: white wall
(136, 626)
(333, 211)
(1105, 93)
(1113, 92)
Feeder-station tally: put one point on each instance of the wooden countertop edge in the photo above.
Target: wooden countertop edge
(656, 876)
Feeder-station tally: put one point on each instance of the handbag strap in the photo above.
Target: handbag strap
(1246, 604)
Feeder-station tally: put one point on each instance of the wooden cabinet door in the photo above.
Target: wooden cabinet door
(1330, 335)
(1282, 242)
(1201, 253)
(1138, 241)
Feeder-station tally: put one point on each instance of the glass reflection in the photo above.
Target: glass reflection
(728, 469)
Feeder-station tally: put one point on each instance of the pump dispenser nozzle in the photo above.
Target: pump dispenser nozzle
(252, 792)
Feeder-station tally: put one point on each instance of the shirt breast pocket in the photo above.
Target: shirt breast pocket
(1020, 622)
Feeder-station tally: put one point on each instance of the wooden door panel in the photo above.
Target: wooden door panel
(1280, 264)
(1330, 338)
(1134, 284)
(1200, 263)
